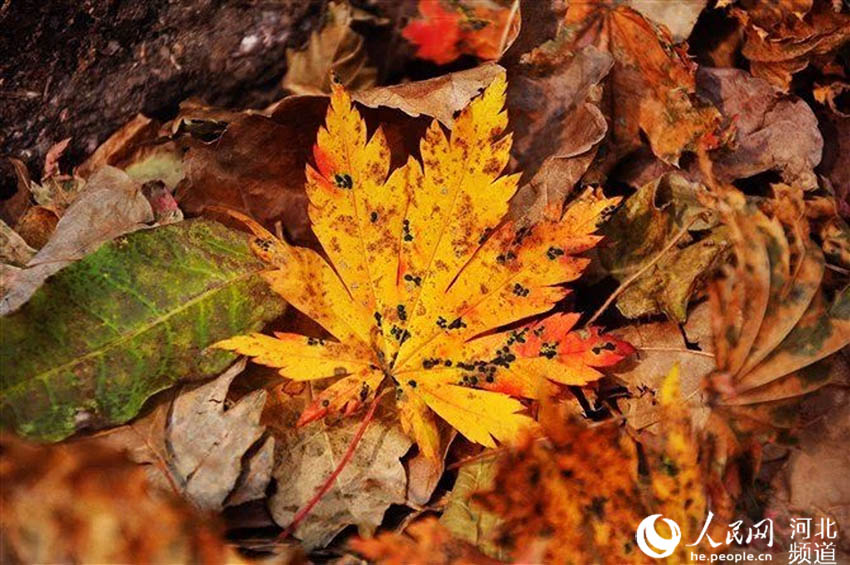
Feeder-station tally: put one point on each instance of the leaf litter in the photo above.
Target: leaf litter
(541, 276)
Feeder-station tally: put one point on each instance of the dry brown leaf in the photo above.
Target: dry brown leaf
(14, 249)
(193, 444)
(441, 97)
(651, 86)
(772, 131)
(557, 126)
(801, 33)
(256, 166)
(678, 17)
(87, 504)
(335, 51)
(120, 145)
(305, 456)
(110, 205)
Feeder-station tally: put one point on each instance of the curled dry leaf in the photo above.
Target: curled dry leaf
(651, 86)
(111, 205)
(86, 503)
(664, 212)
(194, 443)
(557, 125)
(441, 97)
(335, 50)
(447, 29)
(304, 457)
(772, 131)
(424, 264)
(784, 42)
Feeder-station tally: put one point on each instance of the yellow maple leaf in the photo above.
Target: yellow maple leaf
(422, 264)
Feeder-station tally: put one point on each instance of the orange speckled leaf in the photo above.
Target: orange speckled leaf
(422, 262)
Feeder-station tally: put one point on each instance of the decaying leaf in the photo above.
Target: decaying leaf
(678, 17)
(441, 97)
(126, 321)
(652, 219)
(255, 167)
(13, 249)
(88, 504)
(424, 264)
(772, 131)
(335, 50)
(782, 42)
(110, 205)
(195, 443)
(651, 85)
(448, 29)
(425, 538)
(557, 126)
(467, 519)
(306, 455)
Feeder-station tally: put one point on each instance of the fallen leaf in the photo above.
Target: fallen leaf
(448, 29)
(336, 51)
(651, 85)
(111, 205)
(441, 97)
(197, 444)
(557, 126)
(465, 517)
(13, 248)
(51, 160)
(772, 131)
(651, 219)
(305, 456)
(660, 346)
(206, 442)
(256, 167)
(678, 17)
(88, 504)
(796, 40)
(128, 320)
(423, 273)
(425, 538)
(578, 492)
(424, 474)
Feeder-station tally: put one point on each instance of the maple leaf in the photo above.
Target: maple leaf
(651, 84)
(448, 30)
(423, 265)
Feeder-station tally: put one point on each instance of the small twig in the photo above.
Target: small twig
(508, 23)
(625, 284)
(678, 350)
(326, 486)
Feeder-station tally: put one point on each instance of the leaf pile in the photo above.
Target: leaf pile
(507, 277)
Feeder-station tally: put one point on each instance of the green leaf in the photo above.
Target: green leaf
(126, 321)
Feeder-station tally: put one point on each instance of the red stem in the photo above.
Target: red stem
(299, 517)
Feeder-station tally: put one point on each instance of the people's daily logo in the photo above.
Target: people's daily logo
(651, 543)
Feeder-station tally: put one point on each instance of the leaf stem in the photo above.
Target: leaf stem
(329, 482)
(625, 284)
